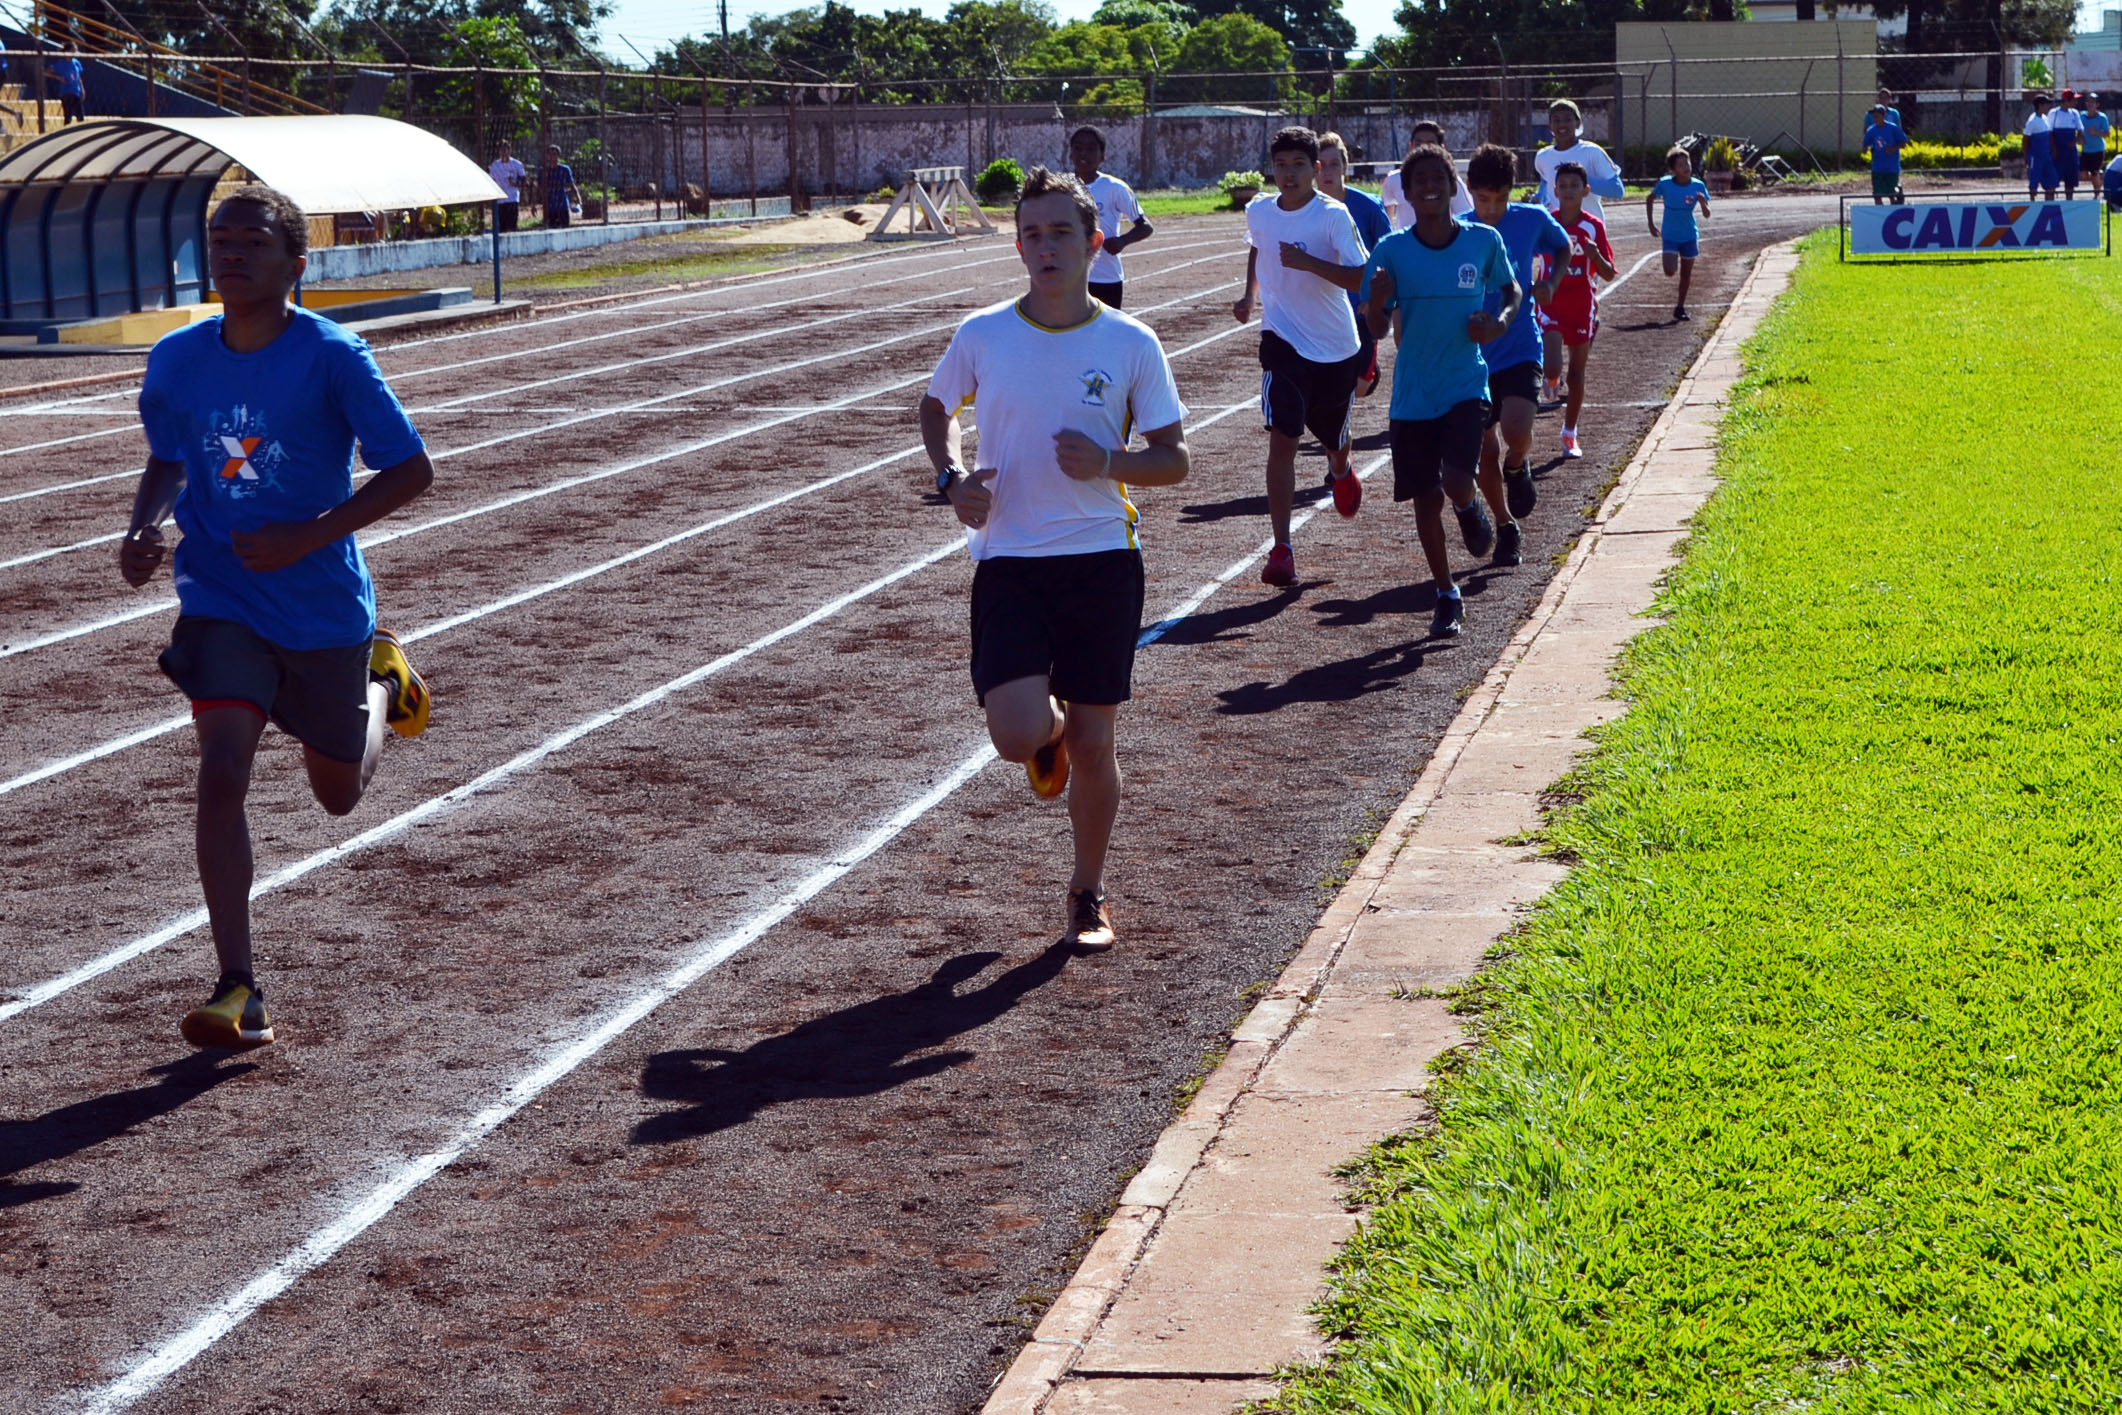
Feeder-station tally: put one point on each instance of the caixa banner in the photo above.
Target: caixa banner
(1985, 227)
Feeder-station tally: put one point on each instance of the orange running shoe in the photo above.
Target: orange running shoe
(1048, 767)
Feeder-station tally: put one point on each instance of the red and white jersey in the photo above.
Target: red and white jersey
(1579, 283)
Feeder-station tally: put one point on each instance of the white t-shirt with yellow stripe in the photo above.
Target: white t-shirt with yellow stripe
(1104, 378)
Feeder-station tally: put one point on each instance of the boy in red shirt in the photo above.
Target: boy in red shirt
(1574, 311)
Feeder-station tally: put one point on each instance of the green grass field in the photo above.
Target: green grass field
(1803, 1092)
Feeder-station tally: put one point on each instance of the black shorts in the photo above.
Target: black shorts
(1072, 619)
(2092, 164)
(317, 696)
(556, 216)
(506, 214)
(73, 108)
(1296, 393)
(1517, 381)
(1106, 290)
(1425, 451)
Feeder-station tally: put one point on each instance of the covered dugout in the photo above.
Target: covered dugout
(109, 217)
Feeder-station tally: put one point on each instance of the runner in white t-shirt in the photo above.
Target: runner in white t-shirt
(1602, 178)
(1395, 199)
(508, 173)
(1116, 203)
(1060, 382)
(1310, 353)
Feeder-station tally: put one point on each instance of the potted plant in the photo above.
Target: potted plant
(1718, 164)
(1241, 187)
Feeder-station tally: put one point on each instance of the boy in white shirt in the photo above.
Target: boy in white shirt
(1116, 203)
(1394, 196)
(1310, 353)
(1057, 589)
(1602, 179)
(508, 173)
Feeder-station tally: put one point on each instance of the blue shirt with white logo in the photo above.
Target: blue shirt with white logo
(1372, 224)
(265, 438)
(1438, 364)
(1884, 142)
(1529, 232)
(1680, 205)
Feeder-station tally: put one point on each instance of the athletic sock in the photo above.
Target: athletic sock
(1568, 430)
(1448, 592)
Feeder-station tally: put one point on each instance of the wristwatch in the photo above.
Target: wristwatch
(944, 477)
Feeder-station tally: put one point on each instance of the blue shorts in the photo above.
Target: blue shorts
(1686, 250)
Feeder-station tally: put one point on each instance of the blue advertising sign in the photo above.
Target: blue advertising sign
(1974, 227)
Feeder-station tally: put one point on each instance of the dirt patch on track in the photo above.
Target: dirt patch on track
(844, 1169)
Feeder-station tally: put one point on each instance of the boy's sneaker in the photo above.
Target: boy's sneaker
(1090, 923)
(1570, 446)
(1281, 568)
(1680, 313)
(1550, 395)
(388, 665)
(1348, 493)
(1510, 543)
(234, 1017)
(1048, 769)
(1520, 496)
(1449, 618)
(1475, 527)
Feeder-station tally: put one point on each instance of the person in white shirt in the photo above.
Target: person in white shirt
(1116, 203)
(508, 174)
(1397, 206)
(1061, 381)
(2041, 175)
(1310, 353)
(2066, 134)
(1565, 120)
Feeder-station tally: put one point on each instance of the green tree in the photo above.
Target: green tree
(488, 44)
(1305, 24)
(1127, 14)
(1227, 44)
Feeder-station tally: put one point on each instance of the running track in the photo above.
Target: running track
(676, 1020)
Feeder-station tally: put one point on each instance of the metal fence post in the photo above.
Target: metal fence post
(604, 147)
(38, 26)
(751, 140)
(1841, 102)
(1149, 130)
(1619, 135)
(655, 111)
(707, 184)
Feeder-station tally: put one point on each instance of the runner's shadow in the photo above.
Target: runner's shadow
(1226, 624)
(1646, 324)
(1202, 512)
(1339, 682)
(857, 1051)
(25, 1144)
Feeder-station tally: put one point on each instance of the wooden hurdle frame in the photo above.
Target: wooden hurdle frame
(933, 194)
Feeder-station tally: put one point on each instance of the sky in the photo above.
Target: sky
(649, 23)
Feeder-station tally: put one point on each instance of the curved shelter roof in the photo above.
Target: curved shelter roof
(107, 217)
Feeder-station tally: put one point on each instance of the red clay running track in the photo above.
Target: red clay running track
(706, 1046)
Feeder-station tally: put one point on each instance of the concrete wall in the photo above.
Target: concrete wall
(354, 262)
(855, 151)
(1751, 90)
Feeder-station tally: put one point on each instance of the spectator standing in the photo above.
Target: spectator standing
(1883, 139)
(2097, 126)
(562, 197)
(508, 173)
(2066, 129)
(65, 74)
(2040, 156)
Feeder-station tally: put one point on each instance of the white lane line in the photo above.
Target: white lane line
(158, 606)
(705, 956)
(177, 928)
(132, 426)
(634, 407)
(1645, 259)
(120, 743)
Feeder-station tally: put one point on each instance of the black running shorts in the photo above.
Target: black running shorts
(1106, 290)
(1518, 381)
(1428, 451)
(317, 696)
(1296, 393)
(1072, 619)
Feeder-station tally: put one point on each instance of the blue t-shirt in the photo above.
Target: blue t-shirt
(69, 72)
(2097, 127)
(264, 438)
(1680, 205)
(1528, 232)
(1439, 365)
(558, 178)
(1884, 142)
(1372, 224)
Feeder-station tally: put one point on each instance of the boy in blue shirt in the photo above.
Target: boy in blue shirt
(1515, 361)
(1438, 274)
(1883, 139)
(1682, 192)
(1372, 225)
(251, 420)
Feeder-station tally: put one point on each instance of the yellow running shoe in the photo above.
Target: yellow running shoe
(388, 665)
(1048, 767)
(234, 1018)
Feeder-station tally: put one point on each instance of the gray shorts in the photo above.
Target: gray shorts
(317, 696)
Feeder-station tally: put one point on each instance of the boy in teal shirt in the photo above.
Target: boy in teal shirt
(1884, 139)
(1438, 274)
(1682, 192)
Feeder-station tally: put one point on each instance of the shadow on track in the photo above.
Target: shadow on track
(1337, 682)
(1225, 624)
(84, 1125)
(857, 1051)
(1203, 512)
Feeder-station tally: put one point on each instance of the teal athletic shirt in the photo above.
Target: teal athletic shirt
(1680, 206)
(269, 437)
(2097, 127)
(1438, 365)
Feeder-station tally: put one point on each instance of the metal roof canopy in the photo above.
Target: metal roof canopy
(110, 217)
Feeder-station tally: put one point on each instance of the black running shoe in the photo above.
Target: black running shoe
(1474, 526)
(1090, 923)
(1519, 493)
(1681, 315)
(1449, 618)
(1509, 545)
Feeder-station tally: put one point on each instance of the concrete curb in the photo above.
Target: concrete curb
(1076, 1361)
